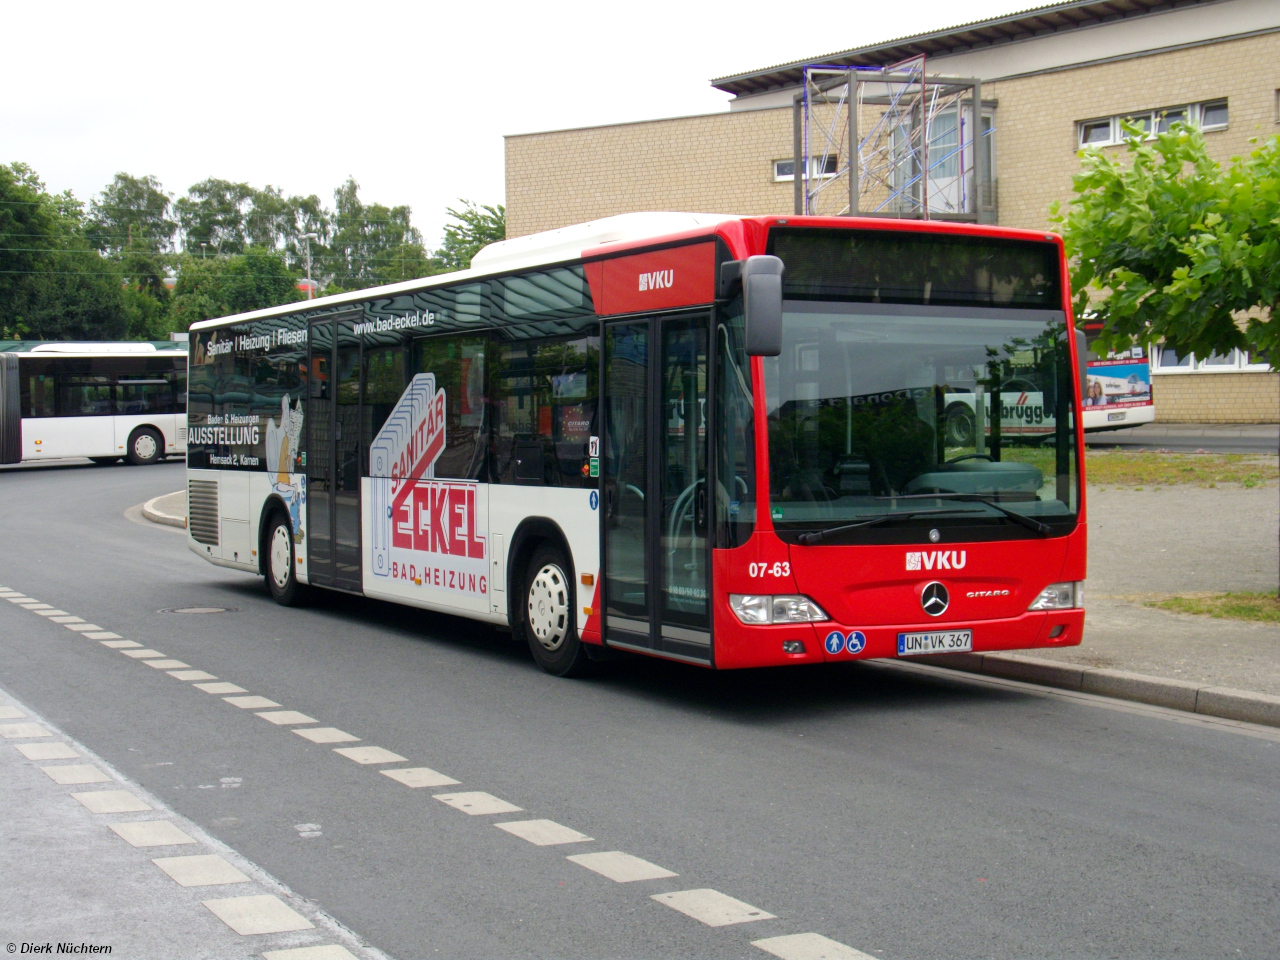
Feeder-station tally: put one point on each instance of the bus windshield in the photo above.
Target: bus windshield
(873, 407)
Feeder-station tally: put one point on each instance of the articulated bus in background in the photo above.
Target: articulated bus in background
(718, 440)
(1115, 389)
(104, 401)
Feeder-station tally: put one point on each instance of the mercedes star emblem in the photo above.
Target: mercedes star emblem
(934, 599)
(934, 536)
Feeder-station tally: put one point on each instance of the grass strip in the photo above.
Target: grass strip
(1260, 607)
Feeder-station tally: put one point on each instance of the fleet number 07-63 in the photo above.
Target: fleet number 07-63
(777, 569)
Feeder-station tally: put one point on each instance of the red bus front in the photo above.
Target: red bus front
(905, 476)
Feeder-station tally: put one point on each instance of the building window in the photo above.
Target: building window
(785, 170)
(1104, 131)
(1166, 360)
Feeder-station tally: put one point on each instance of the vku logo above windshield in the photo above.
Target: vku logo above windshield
(937, 560)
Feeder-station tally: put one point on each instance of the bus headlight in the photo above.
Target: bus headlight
(1060, 596)
(756, 609)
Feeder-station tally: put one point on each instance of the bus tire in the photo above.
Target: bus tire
(281, 570)
(104, 461)
(145, 447)
(547, 617)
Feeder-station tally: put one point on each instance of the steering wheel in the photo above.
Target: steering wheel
(971, 456)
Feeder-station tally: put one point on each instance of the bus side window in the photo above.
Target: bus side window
(458, 364)
(37, 388)
(544, 395)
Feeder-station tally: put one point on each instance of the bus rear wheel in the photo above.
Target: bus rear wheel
(550, 626)
(145, 447)
(281, 568)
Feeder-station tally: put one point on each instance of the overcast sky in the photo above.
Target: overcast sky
(412, 99)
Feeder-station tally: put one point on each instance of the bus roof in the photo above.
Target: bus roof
(573, 242)
(93, 348)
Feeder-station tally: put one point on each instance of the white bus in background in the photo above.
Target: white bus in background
(1115, 391)
(104, 401)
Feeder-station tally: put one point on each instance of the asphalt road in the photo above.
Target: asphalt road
(1190, 438)
(905, 814)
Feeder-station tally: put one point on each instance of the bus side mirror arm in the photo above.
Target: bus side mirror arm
(762, 305)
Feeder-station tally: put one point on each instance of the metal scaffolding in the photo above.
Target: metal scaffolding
(921, 155)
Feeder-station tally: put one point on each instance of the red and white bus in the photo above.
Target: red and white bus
(719, 440)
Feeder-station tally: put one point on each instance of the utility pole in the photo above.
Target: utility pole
(308, 237)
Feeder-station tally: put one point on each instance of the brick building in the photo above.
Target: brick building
(1052, 80)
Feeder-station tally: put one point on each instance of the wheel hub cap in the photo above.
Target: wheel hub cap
(549, 607)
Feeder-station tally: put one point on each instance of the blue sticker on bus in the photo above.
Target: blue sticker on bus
(857, 641)
(595, 500)
(835, 641)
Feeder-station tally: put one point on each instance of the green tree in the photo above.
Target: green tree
(1168, 246)
(213, 213)
(26, 234)
(370, 242)
(131, 213)
(209, 287)
(476, 227)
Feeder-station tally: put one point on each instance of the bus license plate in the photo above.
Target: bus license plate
(943, 641)
(1115, 416)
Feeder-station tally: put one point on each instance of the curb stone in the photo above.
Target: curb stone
(1223, 702)
(155, 515)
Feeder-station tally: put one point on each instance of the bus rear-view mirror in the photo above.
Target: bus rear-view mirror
(762, 305)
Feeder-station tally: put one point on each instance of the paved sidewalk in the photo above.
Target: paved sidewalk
(90, 859)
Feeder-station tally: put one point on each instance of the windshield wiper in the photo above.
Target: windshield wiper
(1019, 518)
(817, 536)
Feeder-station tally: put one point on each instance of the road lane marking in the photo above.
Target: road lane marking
(279, 717)
(621, 867)
(103, 635)
(261, 913)
(68, 619)
(542, 833)
(191, 675)
(16, 598)
(809, 946)
(167, 664)
(200, 870)
(244, 703)
(47, 751)
(50, 612)
(366, 755)
(419, 777)
(69, 774)
(82, 627)
(121, 644)
(221, 687)
(112, 801)
(22, 731)
(324, 734)
(11, 713)
(477, 803)
(144, 653)
(150, 833)
(330, 951)
(712, 907)
(37, 606)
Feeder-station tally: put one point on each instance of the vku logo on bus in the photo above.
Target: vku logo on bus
(658, 280)
(937, 560)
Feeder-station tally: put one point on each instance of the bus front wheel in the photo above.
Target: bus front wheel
(145, 447)
(548, 616)
(281, 572)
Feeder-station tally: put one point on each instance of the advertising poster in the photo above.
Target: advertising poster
(1117, 383)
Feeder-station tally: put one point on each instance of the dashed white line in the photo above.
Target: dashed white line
(50, 612)
(542, 833)
(67, 619)
(144, 653)
(112, 801)
(712, 907)
(37, 606)
(261, 913)
(280, 717)
(189, 675)
(621, 867)
(11, 713)
(330, 951)
(47, 751)
(23, 731)
(419, 777)
(244, 703)
(809, 946)
(102, 635)
(325, 734)
(220, 687)
(167, 664)
(367, 755)
(69, 774)
(477, 803)
(82, 627)
(151, 833)
(121, 644)
(200, 870)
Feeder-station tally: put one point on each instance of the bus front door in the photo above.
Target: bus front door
(655, 518)
(333, 457)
